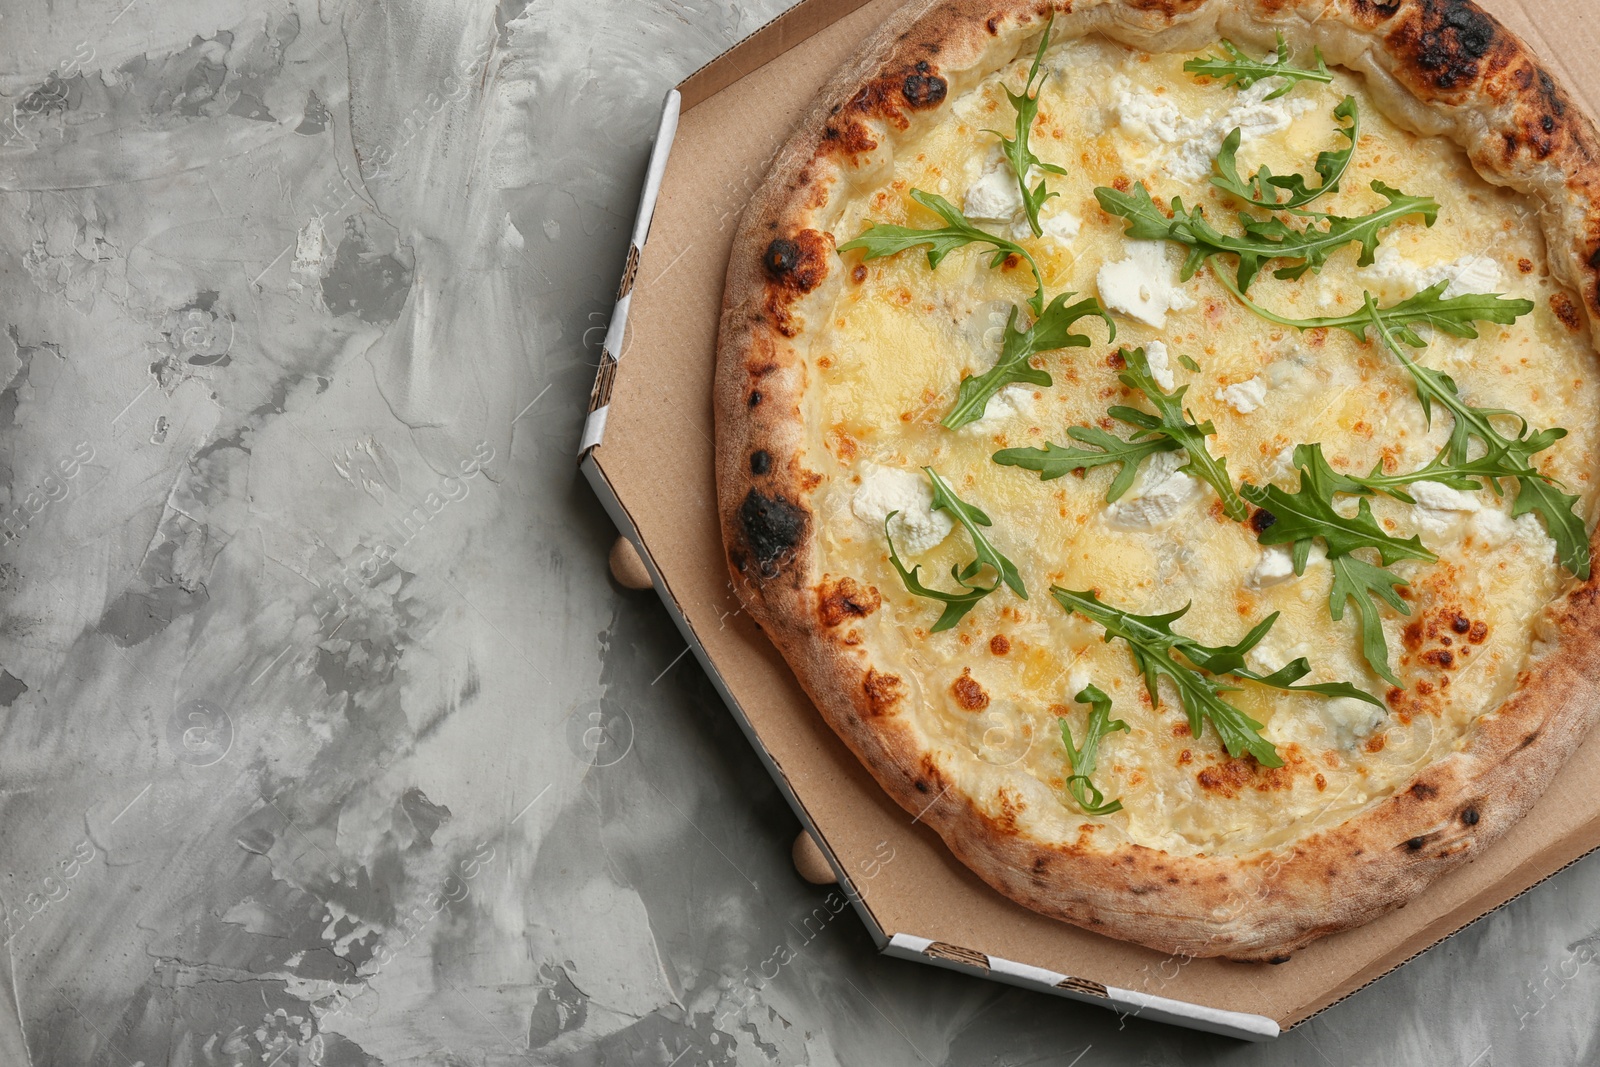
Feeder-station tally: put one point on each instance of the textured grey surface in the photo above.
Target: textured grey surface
(325, 737)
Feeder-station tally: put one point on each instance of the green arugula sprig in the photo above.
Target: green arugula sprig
(1242, 71)
(1016, 149)
(1455, 315)
(1156, 648)
(1263, 240)
(1509, 457)
(1174, 424)
(973, 520)
(1307, 515)
(956, 605)
(1052, 461)
(1263, 187)
(1084, 760)
(883, 239)
(1050, 331)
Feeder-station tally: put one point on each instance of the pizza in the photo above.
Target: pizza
(1159, 435)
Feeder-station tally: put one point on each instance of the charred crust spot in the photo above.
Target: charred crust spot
(1470, 817)
(1261, 520)
(798, 263)
(846, 599)
(968, 693)
(920, 786)
(1116, 360)
(1566, 311)
(858, 273)
(1478, 632)
(760, 462)
(781, 257)
(1423, 791)
(1449, 41)
(773, 527)
(1416, 844)
(1460, 624)
(755, 398)
(883, 692)
(993, 26)
(1374, 11)
(924, 90)
(999, 644)
(1278, 959)
(1526, 741)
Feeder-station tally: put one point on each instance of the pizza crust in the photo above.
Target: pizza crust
(1437, 66)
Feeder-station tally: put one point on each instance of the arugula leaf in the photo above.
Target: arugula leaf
(1151, 641)
(1229, 659)
(972, 518)
(1083, 760)
(1239, 69)
(1016, 150)
(1173, 423)
(1262, 188)
(1512, 456)
(1051, 331)
(881, 239)
(956, 605)
(1308, 514)
(1052, 461)
(1455, 315)
(1188, 363)
(1263, 240)
(1359, 582)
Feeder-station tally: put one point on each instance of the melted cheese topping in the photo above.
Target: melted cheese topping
(891, 340)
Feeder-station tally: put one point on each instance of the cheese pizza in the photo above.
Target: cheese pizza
(1160, 436)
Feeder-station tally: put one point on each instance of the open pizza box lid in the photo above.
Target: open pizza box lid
(647, 450)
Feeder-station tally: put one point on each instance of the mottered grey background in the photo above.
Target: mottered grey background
(325, 737)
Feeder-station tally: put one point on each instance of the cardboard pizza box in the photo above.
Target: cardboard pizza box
(650, 424)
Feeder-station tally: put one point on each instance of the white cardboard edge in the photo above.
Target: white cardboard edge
(594, 427)
(624, 524)
(1125, 1002)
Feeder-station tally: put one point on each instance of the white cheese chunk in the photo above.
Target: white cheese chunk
(1283, 468)
(1440, 507)
(1195, 140)
(1350, 720)
(1155, 353)
(1143, 286)
(1077, 678)
(1158, 495)
(917, 527)
(1244, 397)
(1276, 566)
(1063, 225)
(1492, 526)
(1015, 399)
(994, 197)
(1397, 275)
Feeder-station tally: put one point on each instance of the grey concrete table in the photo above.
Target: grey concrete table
(304, 614)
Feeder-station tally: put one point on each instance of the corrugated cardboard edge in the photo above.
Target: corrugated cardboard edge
(763, 46)
(1126, 1002)
(594, 427)
(624, 523)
